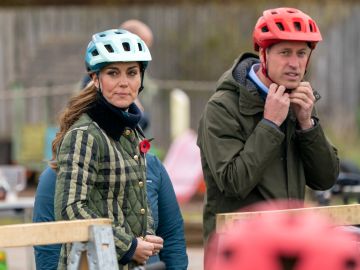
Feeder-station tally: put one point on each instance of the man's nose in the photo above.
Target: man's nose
(294, 61)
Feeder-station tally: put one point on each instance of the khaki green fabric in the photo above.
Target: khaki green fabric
(99, 177)
(247, 160)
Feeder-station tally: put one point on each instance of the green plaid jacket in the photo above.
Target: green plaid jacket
(100, 177)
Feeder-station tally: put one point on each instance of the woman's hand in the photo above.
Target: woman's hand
(157, 241)
(143, 251)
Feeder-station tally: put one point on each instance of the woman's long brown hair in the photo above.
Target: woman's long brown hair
(76, 106)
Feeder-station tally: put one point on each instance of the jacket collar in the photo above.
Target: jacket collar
(112, 119)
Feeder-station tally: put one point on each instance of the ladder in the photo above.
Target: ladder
(93, 243)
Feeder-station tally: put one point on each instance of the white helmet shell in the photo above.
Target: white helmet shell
(115, 45)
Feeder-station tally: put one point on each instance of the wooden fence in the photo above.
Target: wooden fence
(26, 113)
(43, 47)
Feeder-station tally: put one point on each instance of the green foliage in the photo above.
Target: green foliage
(348, 145)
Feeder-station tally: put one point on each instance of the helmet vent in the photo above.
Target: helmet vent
(102, 35)
(312, 26)
(350, 264)
(140, 47)
(288, 262)
(95, 53)
(264, 29)
(297, 26)
(228, 254)
(109, 48)
(280, 26)
(126, 46)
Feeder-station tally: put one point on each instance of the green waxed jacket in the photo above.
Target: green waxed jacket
(100, 177)
(246, 160)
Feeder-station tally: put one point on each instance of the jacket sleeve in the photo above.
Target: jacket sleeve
(171, 224)
(236, 160)
(77, 161)
(46, 256)
(321, 163)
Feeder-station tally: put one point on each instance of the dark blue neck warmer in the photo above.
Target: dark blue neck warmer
(112, 119)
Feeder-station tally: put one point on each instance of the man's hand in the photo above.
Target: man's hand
(277, 104)
(143, 251)
(157, 241)
(302, 101)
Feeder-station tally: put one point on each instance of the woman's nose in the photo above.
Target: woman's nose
(123, 81)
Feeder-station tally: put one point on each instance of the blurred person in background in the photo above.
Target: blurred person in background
(99, 149)
(168, 221)
(146, 101)
(260, 137)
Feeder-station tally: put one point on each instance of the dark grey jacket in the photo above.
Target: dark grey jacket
(245, 160)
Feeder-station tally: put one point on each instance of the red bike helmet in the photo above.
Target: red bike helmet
(283, 242)
(285, 24)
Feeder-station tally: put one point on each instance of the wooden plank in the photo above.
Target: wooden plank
(338, 214)
(32, 234)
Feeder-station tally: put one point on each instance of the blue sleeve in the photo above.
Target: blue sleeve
(153, 183)
(171, 224)
(152, 189)
(46, 256)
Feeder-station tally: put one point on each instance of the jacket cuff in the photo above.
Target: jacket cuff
(270, 123)
(315, 122)
(130, 253)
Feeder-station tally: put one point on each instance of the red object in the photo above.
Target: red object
(283, 241)
(285, 24)
(145, 145)
(183, 164)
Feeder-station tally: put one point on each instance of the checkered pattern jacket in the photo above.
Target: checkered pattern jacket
(100, 177)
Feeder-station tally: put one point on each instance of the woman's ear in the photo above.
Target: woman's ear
(95, 79)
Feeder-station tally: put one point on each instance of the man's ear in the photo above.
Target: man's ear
(262, 52)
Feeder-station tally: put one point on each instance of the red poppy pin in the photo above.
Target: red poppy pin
(145, 145)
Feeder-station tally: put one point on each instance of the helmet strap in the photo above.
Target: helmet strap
(142, 70)
(264, 68)
(98, 78)
(307, 63)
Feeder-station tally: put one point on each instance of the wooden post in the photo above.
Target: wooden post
(338, 214)
(45, 233)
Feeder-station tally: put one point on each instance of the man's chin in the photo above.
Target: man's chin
(291, 85)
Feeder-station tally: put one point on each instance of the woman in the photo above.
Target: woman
(100, 166)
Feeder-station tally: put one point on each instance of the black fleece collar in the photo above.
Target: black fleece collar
(112, 119)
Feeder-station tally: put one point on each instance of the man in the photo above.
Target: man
(259, 135)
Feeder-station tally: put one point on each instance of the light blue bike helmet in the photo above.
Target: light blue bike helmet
(115, 45)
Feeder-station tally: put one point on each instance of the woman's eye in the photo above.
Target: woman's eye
(132, 72)
(112, 73)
